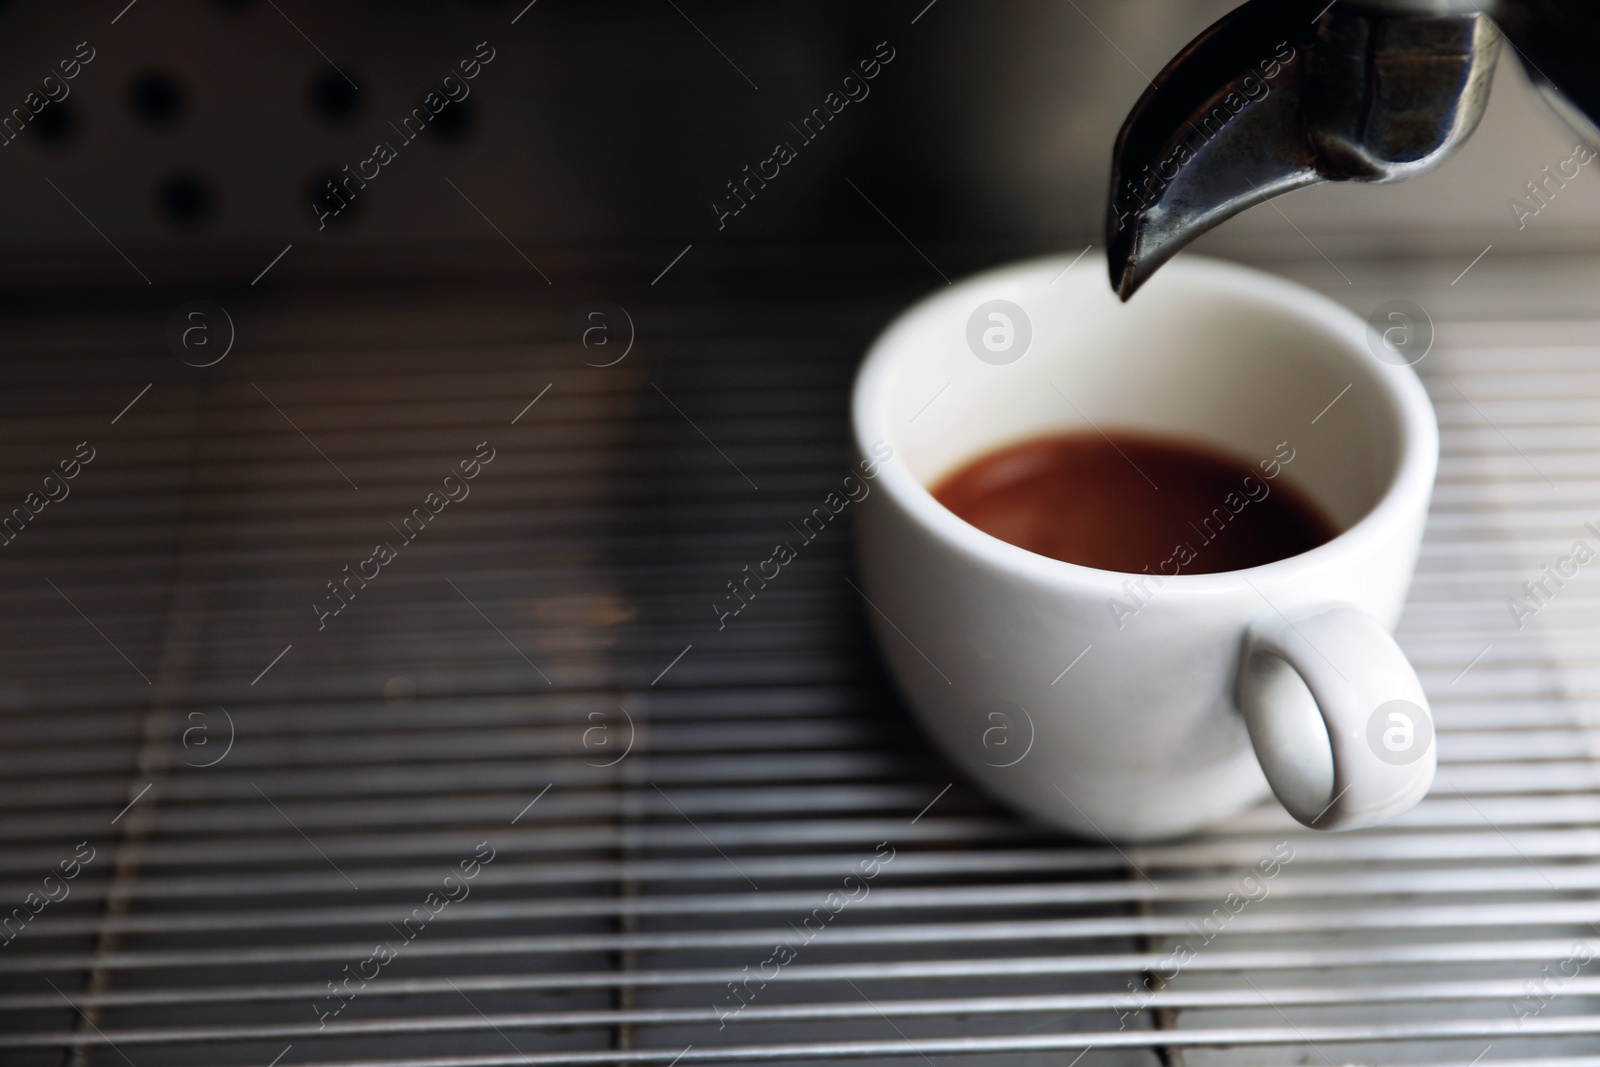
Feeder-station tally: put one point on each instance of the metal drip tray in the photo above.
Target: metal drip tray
(513, 797)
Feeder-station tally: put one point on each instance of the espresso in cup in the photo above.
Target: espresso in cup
(1137, 502)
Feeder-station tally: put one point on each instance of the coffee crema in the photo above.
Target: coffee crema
(1136, 502)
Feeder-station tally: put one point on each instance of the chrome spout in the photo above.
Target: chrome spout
(1285, 94)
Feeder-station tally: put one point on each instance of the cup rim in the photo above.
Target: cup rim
(1408, 403)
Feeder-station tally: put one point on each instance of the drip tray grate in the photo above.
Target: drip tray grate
(506, 794)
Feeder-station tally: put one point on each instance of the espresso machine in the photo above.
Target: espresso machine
(577, 811)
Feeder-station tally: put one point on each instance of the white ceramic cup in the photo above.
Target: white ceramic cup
(1122, 705)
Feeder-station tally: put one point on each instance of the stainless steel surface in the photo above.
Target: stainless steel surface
(611, 126)
(466, 683)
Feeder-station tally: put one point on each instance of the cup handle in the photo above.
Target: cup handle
(1337, 717)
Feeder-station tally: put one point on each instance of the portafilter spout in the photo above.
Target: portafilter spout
(1285, 94)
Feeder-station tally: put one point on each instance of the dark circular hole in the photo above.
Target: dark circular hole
(55, 123)
(156, 98)
(333, 97)
(455, 121)
(334, 199)
(185, 200)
